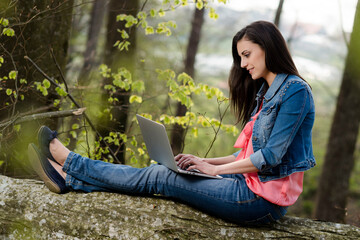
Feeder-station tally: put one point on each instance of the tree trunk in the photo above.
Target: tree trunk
(278, 13)
(95, 24)
(339, 159)
(116, 59)
(30, 211)
(84, 79)
(178, 133)
(39, 26)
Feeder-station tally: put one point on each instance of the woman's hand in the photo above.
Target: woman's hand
(189, 162)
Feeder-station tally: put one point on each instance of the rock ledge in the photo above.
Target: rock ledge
(28, 210)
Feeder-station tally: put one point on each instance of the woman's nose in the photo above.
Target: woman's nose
(243, 63)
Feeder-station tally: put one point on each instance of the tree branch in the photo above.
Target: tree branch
(38, 116)
(216, 131)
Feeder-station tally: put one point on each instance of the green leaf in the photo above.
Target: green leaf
(161, 13)
(12, 74)
(44, 91)
(116, 43)
(119, 83)
(23, 81)
(61, 91)
(130, 21)
(120, 17)
(199, 4)
(195, 132)
(213, 14)
(152, 12)
(134, 142)
(75, 126)
(141, 151)
(143, 23)
(1, 60)
(4, 22)
(135, 98)
(9, 32)
(105, 70)
(184, 2)
(124, 34)
(149, 30)
(123, 137)
(141, 15)
(17, 127)
(46, 83)
(73, 134)
(56, 102)
(138, 86)
(8, 91)
(124, 45)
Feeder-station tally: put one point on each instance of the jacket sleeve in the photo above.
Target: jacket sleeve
(296, 102)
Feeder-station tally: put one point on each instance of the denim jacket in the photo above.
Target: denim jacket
(282, 132)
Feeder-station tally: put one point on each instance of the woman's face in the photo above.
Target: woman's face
(253, 59)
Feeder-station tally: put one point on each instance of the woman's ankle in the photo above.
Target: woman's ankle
(58, 151)
(58, 168)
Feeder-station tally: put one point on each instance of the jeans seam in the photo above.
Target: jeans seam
(250, 200)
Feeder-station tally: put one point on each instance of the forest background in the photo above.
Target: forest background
(119, 58)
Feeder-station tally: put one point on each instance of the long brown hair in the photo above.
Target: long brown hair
(243, 88)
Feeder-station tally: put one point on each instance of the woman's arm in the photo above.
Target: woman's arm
(240, 166)
(228, 166)
(214, 161)
(220, 160)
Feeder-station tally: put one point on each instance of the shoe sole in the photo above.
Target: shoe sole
(37, 166)
(39, 131)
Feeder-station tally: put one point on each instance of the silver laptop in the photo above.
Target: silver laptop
(158, 146)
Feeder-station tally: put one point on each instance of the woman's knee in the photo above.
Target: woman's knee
(160, 169)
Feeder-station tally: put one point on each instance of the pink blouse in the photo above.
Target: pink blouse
(282, 192)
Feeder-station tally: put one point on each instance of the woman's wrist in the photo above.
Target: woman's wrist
(216, 170)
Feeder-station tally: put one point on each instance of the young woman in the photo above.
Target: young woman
(273, 102)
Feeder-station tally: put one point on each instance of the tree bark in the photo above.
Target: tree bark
(339, 159)
(178, 133)
(116, 59)
(28, 210)
(95, 24)
(84, 79)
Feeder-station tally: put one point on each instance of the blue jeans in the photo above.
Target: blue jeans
(228, 198)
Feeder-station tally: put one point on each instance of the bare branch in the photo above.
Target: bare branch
(218, 129)
(38, 116)
(59, 69)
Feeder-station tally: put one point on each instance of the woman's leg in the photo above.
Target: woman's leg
(228, 198)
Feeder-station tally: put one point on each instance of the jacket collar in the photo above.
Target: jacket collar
(279, 79)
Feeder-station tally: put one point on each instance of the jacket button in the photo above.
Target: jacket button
(255, 138)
